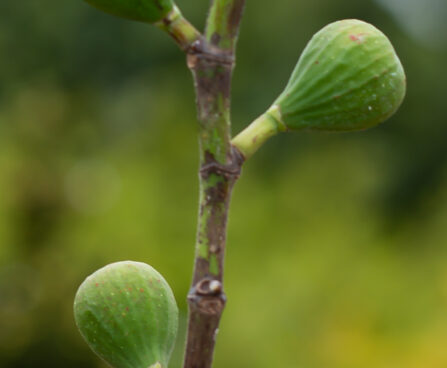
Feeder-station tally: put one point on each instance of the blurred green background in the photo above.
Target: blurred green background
(337, 245)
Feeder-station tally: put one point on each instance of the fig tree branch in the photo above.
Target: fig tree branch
(211, 61)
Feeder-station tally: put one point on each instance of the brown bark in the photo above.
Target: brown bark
(220, 166)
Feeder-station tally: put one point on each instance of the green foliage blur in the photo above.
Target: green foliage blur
(337, 244)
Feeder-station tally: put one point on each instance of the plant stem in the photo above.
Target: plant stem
(183, 32)
(223, 23)
(211, 61)
(257, 133)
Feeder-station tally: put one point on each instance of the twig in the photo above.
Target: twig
(211, 60)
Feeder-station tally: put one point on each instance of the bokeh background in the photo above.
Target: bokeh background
(337, 245)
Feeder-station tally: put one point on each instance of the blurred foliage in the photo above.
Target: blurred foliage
(337, 242)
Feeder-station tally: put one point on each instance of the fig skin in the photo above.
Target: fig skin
(347, 78)
(148, 11)
(128, 315)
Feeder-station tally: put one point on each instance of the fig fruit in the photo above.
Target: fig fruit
(127, 313)
(347, 78)
(149, 11)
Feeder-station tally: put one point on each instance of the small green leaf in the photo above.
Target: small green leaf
(347, 78)
(149, 11)
(128, 315)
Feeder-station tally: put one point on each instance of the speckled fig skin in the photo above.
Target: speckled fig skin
(149, 11)
(348, 78)
(127, 313)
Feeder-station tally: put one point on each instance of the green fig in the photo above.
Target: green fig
(127, 313)
(149, 11)
(347, 78)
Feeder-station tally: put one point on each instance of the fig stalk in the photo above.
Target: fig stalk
(182, 31)
(257, 133)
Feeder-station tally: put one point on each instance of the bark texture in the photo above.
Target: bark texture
(211, 60)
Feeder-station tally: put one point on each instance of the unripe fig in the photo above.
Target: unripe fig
(149, 11)
(128, 315)
(347, 78)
